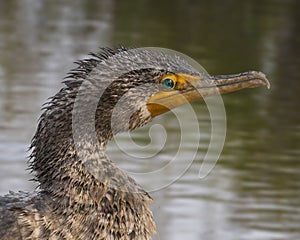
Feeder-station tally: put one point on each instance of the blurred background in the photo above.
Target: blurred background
(254, 190)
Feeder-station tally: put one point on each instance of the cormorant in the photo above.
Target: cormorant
(82, 194)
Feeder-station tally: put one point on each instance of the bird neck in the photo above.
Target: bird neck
(58, 159)
(79, 181)
(70, 158)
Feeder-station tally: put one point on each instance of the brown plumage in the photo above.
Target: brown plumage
(82, 194)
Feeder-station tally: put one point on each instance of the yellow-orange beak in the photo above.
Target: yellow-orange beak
(189, 88)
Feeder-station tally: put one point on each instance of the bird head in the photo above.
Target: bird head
(126, 88)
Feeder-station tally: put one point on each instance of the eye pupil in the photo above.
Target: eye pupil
(168, 84)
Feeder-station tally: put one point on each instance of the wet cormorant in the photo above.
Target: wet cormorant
(82, 194)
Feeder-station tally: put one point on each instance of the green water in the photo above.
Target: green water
(254, 190)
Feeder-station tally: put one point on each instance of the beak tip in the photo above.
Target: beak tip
(264, 79)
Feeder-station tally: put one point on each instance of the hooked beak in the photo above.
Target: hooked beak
(193, 88)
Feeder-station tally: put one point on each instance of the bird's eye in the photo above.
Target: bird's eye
(168, 84)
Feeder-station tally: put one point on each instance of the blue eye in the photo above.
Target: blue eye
(168, 84)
